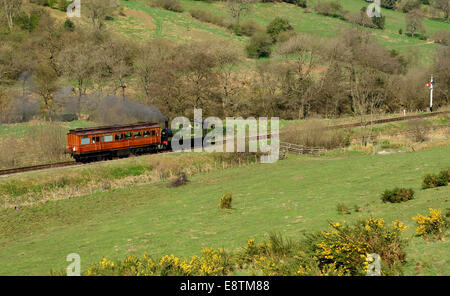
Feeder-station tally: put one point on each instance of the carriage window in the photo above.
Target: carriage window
(137, 135)
(108, 138)
(95, 139)
(128, 135)
(153, 133)
(118, 137)
(147, 134)
(85, 141)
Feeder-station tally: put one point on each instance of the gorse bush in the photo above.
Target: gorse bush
(397, 195)
(211, 263)
(432, 225)
(436, 180)
(346, 247)
(342, 251)
(225, 201)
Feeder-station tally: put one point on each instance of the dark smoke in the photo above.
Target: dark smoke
(105, 110)
(23, 109)
(116, 110)
(67, 106)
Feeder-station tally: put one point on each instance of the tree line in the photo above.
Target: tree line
(306, 76)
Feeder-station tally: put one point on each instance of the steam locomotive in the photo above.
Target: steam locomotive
(118, 141)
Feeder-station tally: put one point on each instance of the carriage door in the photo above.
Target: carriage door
(96, 142)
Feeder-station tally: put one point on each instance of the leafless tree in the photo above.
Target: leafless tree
(98, 10)
(10, 8)
(414, 22)
(46, 84)
(79, 62)
(365, 101)
(239, 8)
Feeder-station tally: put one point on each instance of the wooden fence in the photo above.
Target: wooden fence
(299, 149)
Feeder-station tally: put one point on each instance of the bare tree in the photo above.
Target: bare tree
(10, 9)
(365, 101)
(227, 58)
(116, 58)
(98, 10)
(46, 84)
(152, 63)
(414, 22)
(79, 63)
(239, 8)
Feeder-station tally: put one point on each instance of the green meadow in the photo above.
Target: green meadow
(293, 196)
(144, 22)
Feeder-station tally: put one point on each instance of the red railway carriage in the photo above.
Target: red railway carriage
(89, 144)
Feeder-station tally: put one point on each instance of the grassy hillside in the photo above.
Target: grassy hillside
(292, 196)
(146, 22)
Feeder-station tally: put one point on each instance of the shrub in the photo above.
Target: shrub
(343, 209)
(301, 3)
(341, 251)
(379, 22)
(442, 37)
(432, 225)
(436, 180)
(172, 5)
(69, 25)
(397, 195)
(248, 28)
(314, 133)
(418, 129)
(26, 21)
(408, 5)
(333, 9)
(180, 181)
(206, 16)
(225, 201)
(211, 263)
(346, 247)
(277, 26)
(259, 45)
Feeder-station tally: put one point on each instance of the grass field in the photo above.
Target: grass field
(292, 196)
(146, 22)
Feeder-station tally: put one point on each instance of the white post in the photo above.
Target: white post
(431, 94)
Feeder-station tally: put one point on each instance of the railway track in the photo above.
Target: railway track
(342, 126)
(381, 121)
(37, 167)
